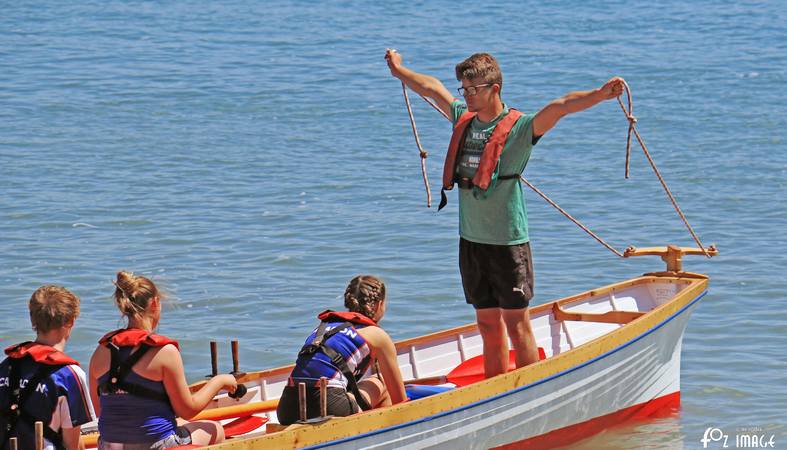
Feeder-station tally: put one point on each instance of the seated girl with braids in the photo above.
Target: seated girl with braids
(138, 385)
(341, 349)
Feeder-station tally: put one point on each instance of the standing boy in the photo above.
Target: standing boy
(489, 149)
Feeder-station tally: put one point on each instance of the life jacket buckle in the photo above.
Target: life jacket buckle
(15, 413)
(309, 350)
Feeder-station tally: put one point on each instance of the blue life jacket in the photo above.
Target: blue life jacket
(335, 350)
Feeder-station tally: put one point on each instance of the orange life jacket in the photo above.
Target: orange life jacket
(489, 158)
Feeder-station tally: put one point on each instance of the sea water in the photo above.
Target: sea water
(252, 157)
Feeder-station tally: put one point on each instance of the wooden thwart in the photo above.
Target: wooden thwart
(621, 317)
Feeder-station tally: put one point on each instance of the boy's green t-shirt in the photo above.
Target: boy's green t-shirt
(498, 215)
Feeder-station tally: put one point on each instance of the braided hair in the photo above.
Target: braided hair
(364, 294)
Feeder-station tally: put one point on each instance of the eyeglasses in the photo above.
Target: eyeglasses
(471, 90)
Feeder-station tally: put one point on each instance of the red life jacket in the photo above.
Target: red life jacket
(489, 158)
(352, 317)
(49, 360)
(40, 353)
(131, 337)
(119, 367)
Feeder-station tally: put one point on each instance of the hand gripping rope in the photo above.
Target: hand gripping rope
(632, 129)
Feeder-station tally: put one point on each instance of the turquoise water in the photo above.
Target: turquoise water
(252, 158)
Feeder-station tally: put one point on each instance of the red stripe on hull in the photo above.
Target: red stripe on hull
(659, 407)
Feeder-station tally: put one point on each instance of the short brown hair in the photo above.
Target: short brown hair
(52, 307)
(480, 65)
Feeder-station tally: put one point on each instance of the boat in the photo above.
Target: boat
(609, 355)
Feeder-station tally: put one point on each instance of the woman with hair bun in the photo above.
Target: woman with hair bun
(342, 348)
(138, 385)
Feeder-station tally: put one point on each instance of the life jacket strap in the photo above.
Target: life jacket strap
(14, 412)
(467, 183)
(119, 370)
(318, 344)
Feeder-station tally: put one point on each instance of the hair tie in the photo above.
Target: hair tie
(129, 297)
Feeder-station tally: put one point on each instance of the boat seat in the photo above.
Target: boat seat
(621, 317)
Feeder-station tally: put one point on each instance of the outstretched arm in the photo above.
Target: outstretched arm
(425, 85)
(573, 102)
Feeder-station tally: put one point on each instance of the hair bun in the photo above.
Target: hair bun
(125, 280)
(133, 293)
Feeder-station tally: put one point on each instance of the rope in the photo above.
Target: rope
(633, 129)
(420, 148)
(578, 223)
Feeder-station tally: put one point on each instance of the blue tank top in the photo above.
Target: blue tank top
(131, 419)
(348, 343)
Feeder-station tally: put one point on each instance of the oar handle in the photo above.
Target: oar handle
(214, 359)
(235, 371)
(240, 391)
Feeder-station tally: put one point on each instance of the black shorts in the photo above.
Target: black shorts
(496, 276)
(339, 404)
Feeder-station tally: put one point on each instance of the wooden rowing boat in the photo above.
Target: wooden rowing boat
(612, 354)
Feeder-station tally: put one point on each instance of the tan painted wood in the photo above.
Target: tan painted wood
(274, 427)
(621, 317)
(671, 254)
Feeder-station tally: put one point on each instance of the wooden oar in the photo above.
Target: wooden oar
(228, 412)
